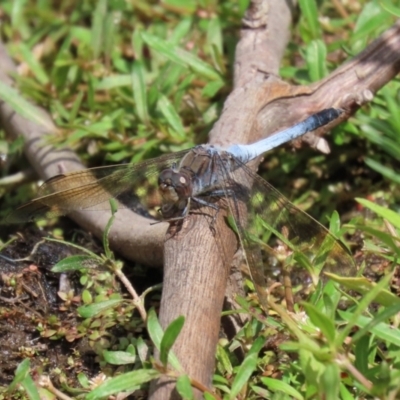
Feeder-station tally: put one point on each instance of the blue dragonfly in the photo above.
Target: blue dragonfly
(215, 182)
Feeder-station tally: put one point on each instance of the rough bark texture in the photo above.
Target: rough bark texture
(195, 272)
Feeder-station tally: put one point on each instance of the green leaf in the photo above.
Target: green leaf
(33, 63)
(224, 360)
(280, 386)
(215, 41)
(364, 286)
(334, 223)
(261, 392)
(171, 115)
(244, 372)
(382, 316)
(126, 382)
(31, 388)
(391, 216)
(106, 243)
(83, 380)
(18, 13)
(382, 381)
(140, 91)
(309, 11)
(316, 60)
(321, 321)
(180, 56)
(246, 368)
(171, 333)
(74, 263)
(381, 330)
(119, 357)
(21, 372)
(185, 6)
(97, 37)
(115, 81)
(311, 367)
(24, 108)
(390, 7)
(370, 19)
(94, 309)
(257, 345)
(86, 296)
(345, 393)
(386, 238)
(388, 173)
(168, 81)
(156, 334)
(109, 33)
(330, 382)
(212, 88)
(181, 30)
(184, 387)
(363, 305)
(75, 107)
(362, 352)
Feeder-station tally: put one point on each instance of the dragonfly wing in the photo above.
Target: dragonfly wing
(234, 197)
(92, 189)
(272, 229)
(273, 218)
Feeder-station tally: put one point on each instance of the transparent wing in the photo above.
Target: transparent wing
(279, 239)
(135, 186)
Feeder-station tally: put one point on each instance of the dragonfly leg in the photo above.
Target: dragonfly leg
(208, 204)
(214, 193)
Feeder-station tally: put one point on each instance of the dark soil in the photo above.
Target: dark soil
(29, 300)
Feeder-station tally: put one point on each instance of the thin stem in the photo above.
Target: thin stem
(136, 298)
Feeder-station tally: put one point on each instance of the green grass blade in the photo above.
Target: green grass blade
(156, 334)
(184, 387)
(309, 12)
(140, 91)
(280, 386)
(383, 212)
(316, 60)
(171, 333)
(23, 107)
(180, 56)
(122, 383)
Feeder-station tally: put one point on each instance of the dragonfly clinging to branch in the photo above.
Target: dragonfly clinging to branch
(204, 177)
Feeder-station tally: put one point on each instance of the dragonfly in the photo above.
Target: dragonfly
(212, 181)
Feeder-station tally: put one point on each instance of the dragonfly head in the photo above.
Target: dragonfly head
(175, 188)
